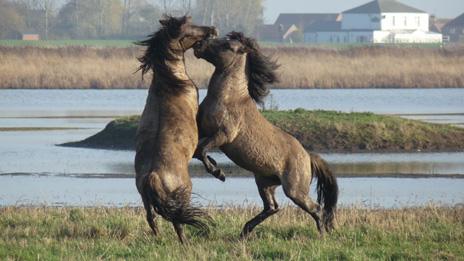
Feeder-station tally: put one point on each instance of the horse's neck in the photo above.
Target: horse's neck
(175, 66)
(230, 83)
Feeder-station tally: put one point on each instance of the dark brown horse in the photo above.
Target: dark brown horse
(167, 134)
(229, 120)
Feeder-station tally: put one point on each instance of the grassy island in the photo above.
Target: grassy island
(322, 131)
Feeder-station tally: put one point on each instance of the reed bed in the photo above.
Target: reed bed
(48, 233)
(301, 67)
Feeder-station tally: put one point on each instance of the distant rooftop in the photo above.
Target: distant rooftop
(324, 26)
(383, 6)
(458, 21)
(303, 19)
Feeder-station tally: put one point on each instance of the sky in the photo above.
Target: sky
(272, 8)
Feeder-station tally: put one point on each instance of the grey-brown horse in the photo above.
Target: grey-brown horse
(230, 120)
(167, 134)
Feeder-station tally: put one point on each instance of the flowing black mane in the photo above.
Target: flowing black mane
(260, 69)
(158, 51)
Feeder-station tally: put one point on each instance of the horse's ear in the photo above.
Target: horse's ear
(164, 22)
(236, 46)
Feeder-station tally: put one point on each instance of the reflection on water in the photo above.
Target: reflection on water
(360, 192)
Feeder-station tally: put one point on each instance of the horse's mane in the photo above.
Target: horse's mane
(260, 69)
(158, 52)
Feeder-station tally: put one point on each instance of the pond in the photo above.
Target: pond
(35, 171)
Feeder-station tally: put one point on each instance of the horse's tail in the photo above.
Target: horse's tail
(327, 189)
(177, 207)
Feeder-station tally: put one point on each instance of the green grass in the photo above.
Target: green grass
(121, 233)
(63, 43)
(324, 131)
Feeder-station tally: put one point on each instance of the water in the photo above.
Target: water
(360, 192)
(34, 171)
(435, 105)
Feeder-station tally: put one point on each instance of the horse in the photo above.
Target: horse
(230, 120)
(167, 134)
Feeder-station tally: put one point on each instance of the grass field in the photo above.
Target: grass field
(322, 131)
(92, 66)
(47, 233)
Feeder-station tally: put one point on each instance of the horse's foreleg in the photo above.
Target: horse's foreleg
(207, 144)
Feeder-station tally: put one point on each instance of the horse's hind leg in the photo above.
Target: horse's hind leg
(266, 188)
(150, 215)
(298, 191)
(180, 232)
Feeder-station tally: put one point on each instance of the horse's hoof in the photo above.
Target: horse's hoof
(219, 174)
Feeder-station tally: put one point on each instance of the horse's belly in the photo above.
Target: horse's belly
(251, 161)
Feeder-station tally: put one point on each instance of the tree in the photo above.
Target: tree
(140, 18)
(11, 22)
(229, 15)
(90, 19)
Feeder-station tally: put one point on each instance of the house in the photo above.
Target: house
(30, 37)
(287, 25)
(455, 29)
(379, 21)
(437, 24)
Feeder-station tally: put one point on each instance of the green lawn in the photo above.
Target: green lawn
(47, 233)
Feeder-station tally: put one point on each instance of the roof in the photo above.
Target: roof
(458, 21)
(269, 32)
(436, 25)
(303, 19)
(324, 26)
(383, 6)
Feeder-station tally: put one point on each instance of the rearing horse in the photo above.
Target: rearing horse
(167, 134)
(229, 120)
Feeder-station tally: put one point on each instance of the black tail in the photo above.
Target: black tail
(327, 189)
(178, 209)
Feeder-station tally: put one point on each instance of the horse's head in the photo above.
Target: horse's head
(223, 52)
(176, 35)
(187, 34)
(227, 51)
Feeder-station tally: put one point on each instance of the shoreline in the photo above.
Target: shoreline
(203, 87)
(233, 176)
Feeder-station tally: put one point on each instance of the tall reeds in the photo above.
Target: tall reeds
(361, 67)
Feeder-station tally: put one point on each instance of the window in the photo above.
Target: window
(405, 21)
(394, 20)
(418, 20)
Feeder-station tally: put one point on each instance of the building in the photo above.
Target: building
(455, 29)
(288, 26)
(379, 21)
(30, 37)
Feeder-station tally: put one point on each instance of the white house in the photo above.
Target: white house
(379, 21)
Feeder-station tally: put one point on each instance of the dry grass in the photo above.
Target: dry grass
(361, 67)
(111, 233)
